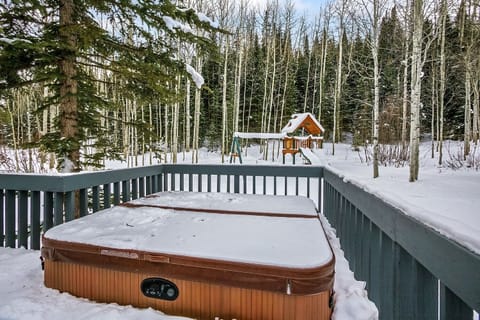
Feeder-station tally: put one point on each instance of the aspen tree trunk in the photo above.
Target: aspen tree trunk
(175, 116)
(238, 77)
(376, 85)
(441, 93)
(305, 97)
(68, 88)
(224, 101)
(476, 118)
(196, 121)
(338, 85)
(415, 88)
(467, 137)
(433, 102)
(166, 130)
(323, 66)
(187, 117)
(405, 63)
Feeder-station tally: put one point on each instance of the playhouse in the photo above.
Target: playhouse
(302, 132)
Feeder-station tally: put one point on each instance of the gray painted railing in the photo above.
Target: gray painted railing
(412, 272)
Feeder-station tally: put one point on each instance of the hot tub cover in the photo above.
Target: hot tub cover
(287, 254)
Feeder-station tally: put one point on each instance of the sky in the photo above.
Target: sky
(308, 7)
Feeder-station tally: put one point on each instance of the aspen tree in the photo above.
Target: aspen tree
(441, 93)
(415, 88)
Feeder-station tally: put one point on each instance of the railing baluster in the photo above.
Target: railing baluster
(165, 182)
(35, 220)
(236, 183)
(125, 191)
(254, 182)
(228, 183)
(22, 219)
(134, 189)
(388, 278)
(95, 199)
(160, 182)
(83, 194)
(296, 186)
(116, 193)
(142, 186)
(58, 208)
(172, 181)
(264, 185)
(10, 208)
(308, 187)
(209, 183)
(69, 205)
(245, 182)
(106, 195)
(427, 294)
(374, 290)
(218, 183)
(200, 186)
(452, 307)
(182, 183)
(148, 182)
(154, 184)
(275, 185)
(47, 211)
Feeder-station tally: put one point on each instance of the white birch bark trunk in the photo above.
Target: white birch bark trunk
(224, 101)
(415, 88)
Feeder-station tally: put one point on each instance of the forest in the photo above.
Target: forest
(150, 78)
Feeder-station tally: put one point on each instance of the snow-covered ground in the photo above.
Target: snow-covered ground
(446, 199)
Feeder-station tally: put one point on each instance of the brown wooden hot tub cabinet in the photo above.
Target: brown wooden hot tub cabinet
(207, 287)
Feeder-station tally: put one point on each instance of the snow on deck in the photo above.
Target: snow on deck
(274, 241)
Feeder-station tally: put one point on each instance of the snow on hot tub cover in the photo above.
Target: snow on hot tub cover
(254, 204)
(286, 254)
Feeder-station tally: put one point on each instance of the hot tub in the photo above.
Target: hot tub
(198, 255)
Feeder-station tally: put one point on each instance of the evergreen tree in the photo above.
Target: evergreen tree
(56, 43)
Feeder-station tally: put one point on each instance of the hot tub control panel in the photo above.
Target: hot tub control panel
(159, 288)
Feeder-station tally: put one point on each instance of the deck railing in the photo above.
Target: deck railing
(412, 271)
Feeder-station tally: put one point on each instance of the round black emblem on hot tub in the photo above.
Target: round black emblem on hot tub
(159, 288)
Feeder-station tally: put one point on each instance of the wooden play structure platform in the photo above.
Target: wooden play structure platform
(303, 131)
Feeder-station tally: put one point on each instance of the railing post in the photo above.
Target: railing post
(452, 307)
(10, 208)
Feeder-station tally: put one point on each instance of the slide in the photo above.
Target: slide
(310, 157)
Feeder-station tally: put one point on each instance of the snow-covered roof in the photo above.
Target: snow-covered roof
(259, 135)
(297, 119)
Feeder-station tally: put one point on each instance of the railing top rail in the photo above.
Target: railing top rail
(456, 266)
(257, 170)
(75, 181)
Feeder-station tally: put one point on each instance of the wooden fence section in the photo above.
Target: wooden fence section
(412, 272)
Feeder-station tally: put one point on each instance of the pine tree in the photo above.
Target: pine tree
(55, 44)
